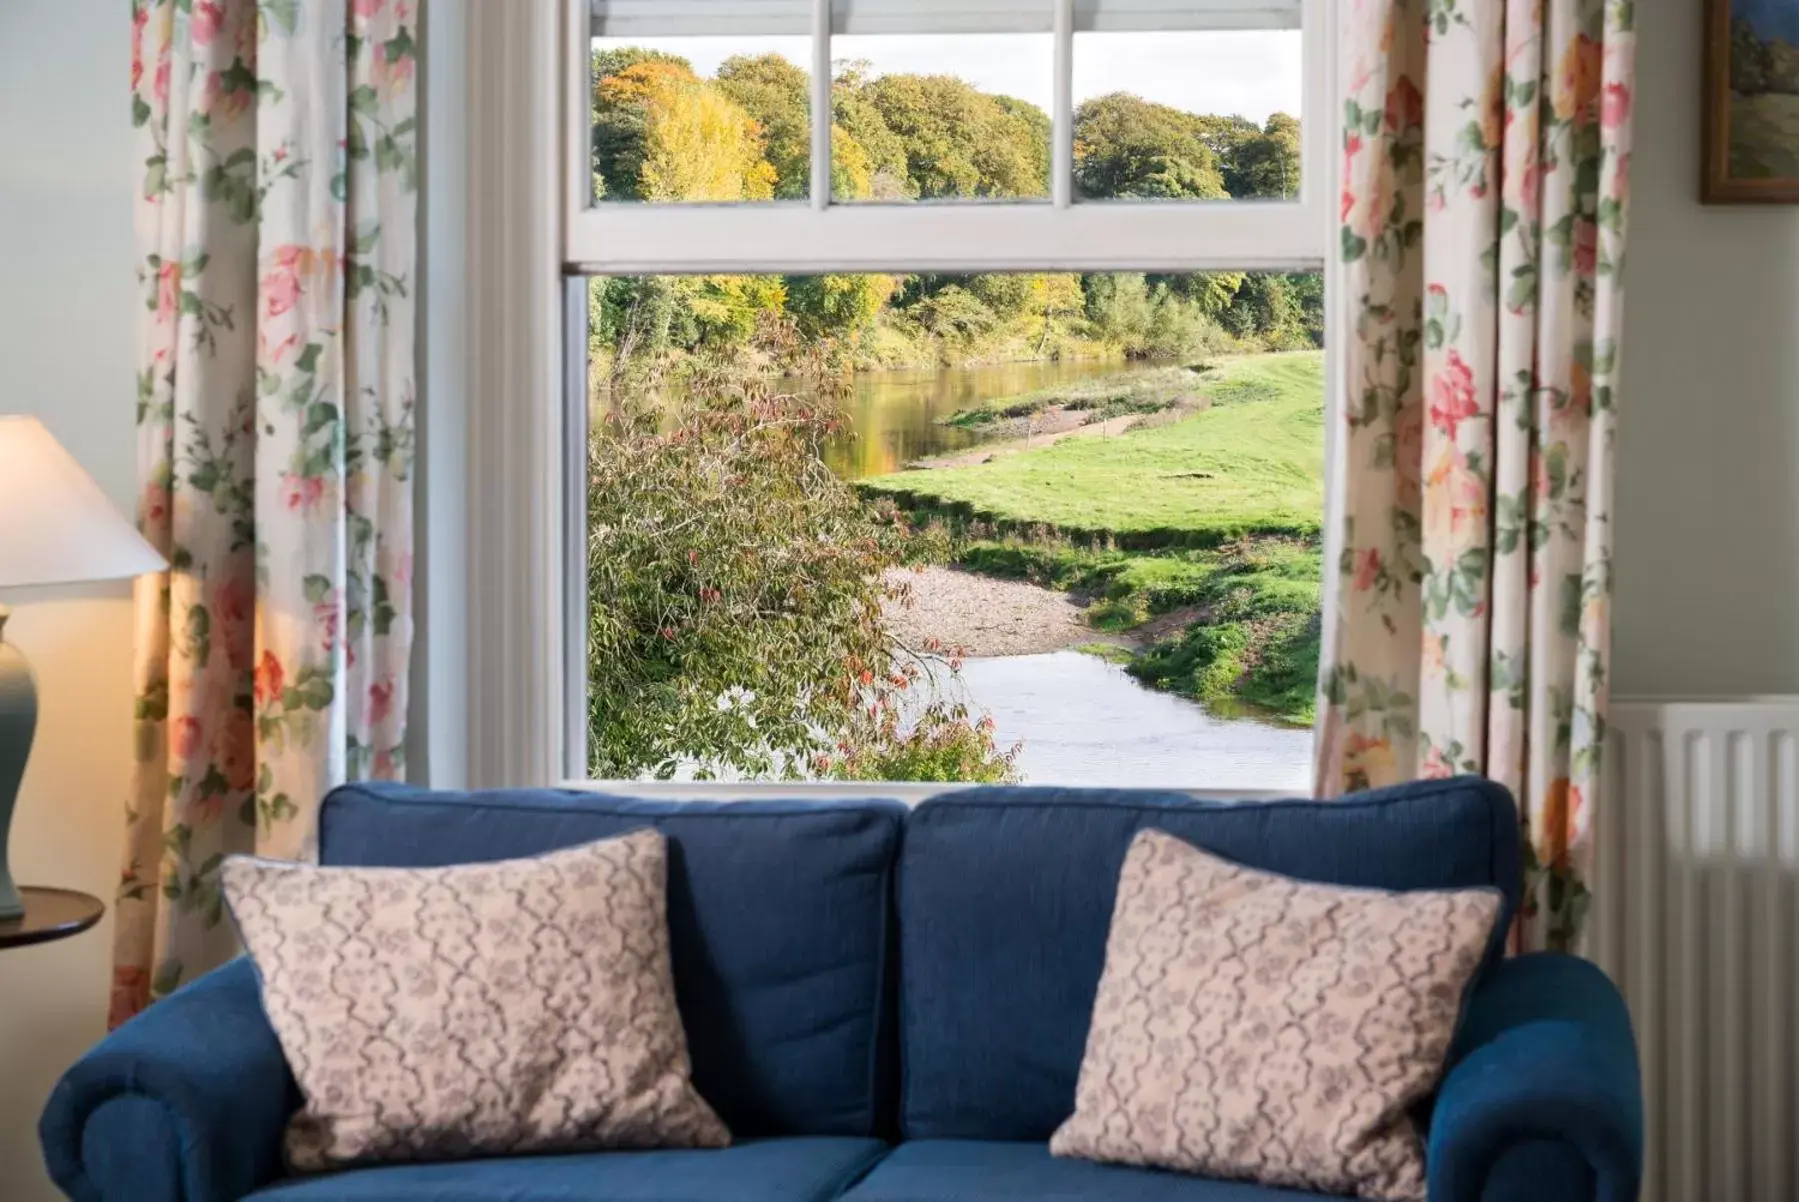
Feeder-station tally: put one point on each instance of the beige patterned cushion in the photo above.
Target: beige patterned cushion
(1254, 1026)
(517, 1006)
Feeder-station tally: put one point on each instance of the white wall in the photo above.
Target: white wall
(1708, 481)
(68, 304)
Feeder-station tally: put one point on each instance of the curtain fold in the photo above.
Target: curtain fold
(1486, 165)
(276, 227)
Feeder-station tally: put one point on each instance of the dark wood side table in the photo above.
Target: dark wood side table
(50, 914)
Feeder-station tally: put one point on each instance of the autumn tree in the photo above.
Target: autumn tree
(735, 593)
(618, 131)
(776, 94)
(662, 134)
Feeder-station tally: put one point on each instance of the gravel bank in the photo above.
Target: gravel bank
(984, 616)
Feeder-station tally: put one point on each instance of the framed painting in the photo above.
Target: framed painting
(1751, 145)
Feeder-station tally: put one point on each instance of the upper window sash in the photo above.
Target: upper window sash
(799, 238)
(676, 18)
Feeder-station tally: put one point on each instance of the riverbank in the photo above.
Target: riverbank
(980, 616)
(1247, 460)
(1189, 546)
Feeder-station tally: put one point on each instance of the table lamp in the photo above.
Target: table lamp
(56, 527)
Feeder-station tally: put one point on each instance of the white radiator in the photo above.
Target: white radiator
(1696, 916)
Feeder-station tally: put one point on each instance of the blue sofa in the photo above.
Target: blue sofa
(885, 1005)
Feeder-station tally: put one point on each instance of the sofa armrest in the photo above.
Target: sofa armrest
(187, 1102)
(1543, 1094)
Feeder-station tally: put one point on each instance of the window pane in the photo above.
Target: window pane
(711, 119)
(1208, 115)
(1054, 527)
(941, 116)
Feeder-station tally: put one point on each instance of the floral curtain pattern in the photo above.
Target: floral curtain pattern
(276, 229)
(1486, 163)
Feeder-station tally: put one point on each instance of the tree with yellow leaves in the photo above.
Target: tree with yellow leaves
(663, 134)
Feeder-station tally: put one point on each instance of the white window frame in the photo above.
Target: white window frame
(534, 235)
(819, 236)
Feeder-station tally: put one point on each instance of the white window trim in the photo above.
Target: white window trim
(529, 222)
(516, 639)
(815, 237)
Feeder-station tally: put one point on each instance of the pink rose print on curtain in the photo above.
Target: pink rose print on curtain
(1483, 228)
(274, 415)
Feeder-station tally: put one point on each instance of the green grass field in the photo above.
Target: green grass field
(1215, 517)
(1252, 463)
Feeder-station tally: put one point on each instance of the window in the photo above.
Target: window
(974, 433)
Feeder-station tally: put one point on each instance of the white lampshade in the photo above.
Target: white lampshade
(56, 526)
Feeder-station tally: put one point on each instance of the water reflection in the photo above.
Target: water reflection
(1083, 721)
(895, 416)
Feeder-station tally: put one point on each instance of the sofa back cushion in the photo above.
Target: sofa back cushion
(778, 917)
(1006, 897)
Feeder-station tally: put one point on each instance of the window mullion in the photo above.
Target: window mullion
(1317, 104)
(821, 104)
(1062, 119)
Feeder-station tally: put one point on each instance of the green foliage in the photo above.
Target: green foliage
(836, 306)
(734, 591)
(662, 133)
(874, 155)
(1256, 161)
(1255, 640)
(1125, 146)
(1151, 320)
(1267, 164)
(775, 93)
(1282, 312)
(943, 744)
(959, 141)
(1250, 638)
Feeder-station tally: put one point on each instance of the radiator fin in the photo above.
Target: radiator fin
(1696, 916)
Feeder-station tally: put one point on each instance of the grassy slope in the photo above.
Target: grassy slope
(1251, 464)
(1254, 642)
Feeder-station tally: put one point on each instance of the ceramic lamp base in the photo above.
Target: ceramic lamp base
(18, 722)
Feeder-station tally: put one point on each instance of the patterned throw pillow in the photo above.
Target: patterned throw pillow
(437, 1013)
(1250, 1025)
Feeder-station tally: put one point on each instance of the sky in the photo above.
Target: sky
(1772, 19)
(1249, 73)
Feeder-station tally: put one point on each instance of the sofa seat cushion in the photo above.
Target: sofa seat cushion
(1005, 902)
(958, 1170)
(771, 1170)
(778, 924)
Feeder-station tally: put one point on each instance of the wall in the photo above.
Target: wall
(1708, 481)
(68, 304)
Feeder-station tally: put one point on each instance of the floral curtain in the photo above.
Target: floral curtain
(1486, 164)
(276, 234)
